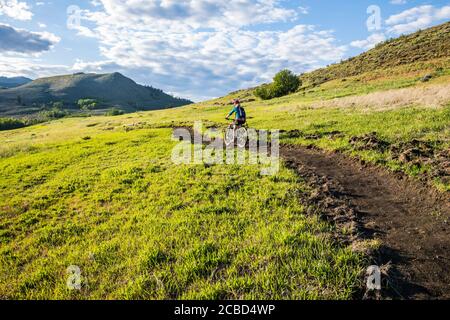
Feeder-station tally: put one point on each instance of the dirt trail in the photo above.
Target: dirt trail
(411, 220)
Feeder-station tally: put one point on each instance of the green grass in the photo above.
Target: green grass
(140, 227)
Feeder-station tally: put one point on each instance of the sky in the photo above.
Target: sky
(199, 49)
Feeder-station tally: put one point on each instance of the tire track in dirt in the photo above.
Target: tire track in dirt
(411, 220)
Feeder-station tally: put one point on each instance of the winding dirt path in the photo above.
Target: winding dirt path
(411, 220)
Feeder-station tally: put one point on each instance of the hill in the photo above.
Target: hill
(108, 90)
(13, 82)
(425, 45)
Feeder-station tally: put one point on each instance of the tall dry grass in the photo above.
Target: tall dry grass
(432, 96)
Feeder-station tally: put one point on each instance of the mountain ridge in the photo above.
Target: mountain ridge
(108, 90)
(12, 82)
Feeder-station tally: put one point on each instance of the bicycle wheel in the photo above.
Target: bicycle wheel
(229, 136)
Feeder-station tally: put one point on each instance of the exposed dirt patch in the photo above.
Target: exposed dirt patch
(414, 150)
(417, 152)
(369, 141)
(412, 153)
(310, 136)
(411, 220)
(441, 166)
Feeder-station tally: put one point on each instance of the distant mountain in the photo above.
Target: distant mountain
(108, 90)
(13, 82)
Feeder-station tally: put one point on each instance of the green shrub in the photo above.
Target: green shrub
(114, 112)
(284, 83)
(264, 92)
(53, 113)
(58, 105)
(10, 123)
(87, 104)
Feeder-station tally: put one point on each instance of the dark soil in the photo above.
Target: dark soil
(369, 141)
(418, 153)
(412, 153)
(410, 219)
(310, 136)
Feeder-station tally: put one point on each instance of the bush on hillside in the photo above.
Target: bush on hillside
(87, 104)
(53, 113)
(114, 112)
(284, 83)
(10, 123)
(58, 105)
(264, 92)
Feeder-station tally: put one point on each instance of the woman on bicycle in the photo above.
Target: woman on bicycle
(241, 117)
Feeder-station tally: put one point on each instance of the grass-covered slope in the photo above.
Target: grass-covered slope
(109, 90)
(422, 46)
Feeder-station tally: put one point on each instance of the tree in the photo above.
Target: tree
(58, 105)
(284, 83)
(87, 104)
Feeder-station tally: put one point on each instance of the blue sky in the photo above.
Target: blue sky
(199, 49)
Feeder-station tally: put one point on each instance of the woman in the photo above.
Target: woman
(241, 117)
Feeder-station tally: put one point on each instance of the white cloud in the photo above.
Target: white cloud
(28, 66)
(198, 13)
(416, 18)
(370, 42)
(25, 42)
(303, 10)
(203, 48)
(84, 31)
(398, 2)
(15, 9)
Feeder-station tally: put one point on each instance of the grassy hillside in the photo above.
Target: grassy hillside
(422, 46)
(108, 90)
